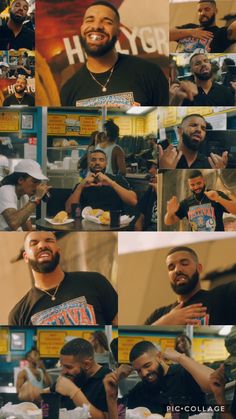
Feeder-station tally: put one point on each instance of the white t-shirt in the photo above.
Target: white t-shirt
(8, 199)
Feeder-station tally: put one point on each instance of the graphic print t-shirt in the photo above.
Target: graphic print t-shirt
(204, 216)
(83, 298)
(219, 43)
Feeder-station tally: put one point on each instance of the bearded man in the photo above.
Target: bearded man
(108, 77)
(61, 298)
(204, 209)
(14, 34)
(194, 305)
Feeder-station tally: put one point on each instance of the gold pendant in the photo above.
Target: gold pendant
(104, 89)
(53, 298)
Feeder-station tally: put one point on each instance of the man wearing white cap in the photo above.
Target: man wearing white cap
(20, 192)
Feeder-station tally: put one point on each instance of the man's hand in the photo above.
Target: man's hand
(104, 179)
(212, 195)
(172, 205)
(181, 91)
(41, 190)
(124, 371)
(110, 383)
(66, 387)
(201, 34)
(183, 315)
(171, 355)
(217, 383)
(218, 162)
(29, 393)
(169, 158)
(89, 180)
(233, 84)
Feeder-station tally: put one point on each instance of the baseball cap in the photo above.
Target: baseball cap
(3, 64)
(4, 162)
(31, 168)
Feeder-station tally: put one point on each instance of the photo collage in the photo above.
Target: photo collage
(117, 202)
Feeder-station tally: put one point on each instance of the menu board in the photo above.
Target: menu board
(56, 124)
(3, 341)
(9, 121)
(50, 343)
(73, 125)
(125, 125)
(168, 116)
(204, 349)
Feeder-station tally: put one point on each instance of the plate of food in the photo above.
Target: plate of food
(97, 215)
(61, 218)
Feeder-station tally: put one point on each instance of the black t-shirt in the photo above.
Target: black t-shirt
(218, 95)
(131, 74)
(176, 387)
(83, 298)
(148, 207)
(104, 197)
(201, 162)
(92, 388)
(220, 303)
(26, 100)
(204, 215)
(219, 43)
(24, 39)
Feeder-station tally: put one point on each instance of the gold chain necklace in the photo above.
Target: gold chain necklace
(103, 86)
(53, 296)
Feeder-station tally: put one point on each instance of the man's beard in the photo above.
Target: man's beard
(186, 288)
(208, 22)
(79, 378)
(202, 76)
(17, 19)
(45, 267)
(20, 91)
(200, 195)
(159, 372)
(96, 170)
(100, 50)
(193, 145)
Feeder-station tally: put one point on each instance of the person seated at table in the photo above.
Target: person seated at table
(100, 190)
(80, 382)
(35, 373)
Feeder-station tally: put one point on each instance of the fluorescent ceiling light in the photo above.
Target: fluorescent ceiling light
(225, 330)
(138, 110)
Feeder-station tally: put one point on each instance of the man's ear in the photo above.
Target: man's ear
(199, 268)
(25, 257)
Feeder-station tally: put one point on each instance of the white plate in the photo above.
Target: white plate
(68, 221)
(124, 219)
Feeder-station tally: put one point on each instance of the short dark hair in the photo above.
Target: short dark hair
(107, 4)
(79, 348)
(112, 129)
(183, 249)
(195, 173)
(207, 1)
(192, 114)
(195, 55)
(13, 178)
(97, 151)
(141, 348)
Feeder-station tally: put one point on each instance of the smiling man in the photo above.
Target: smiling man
(20, 193)
(191, 133)
(100, 190)
(204, 91)
(20, 97)
(118, 77)
(13, 34)
(182, 383)
(204, 209)
(194, 305)
(80, 382)
(61, 298)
